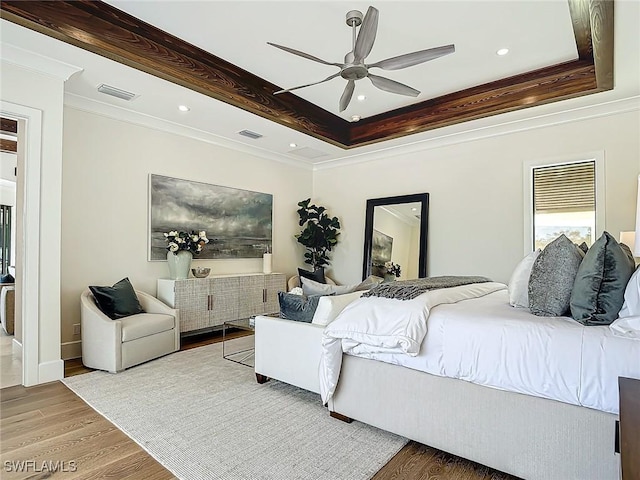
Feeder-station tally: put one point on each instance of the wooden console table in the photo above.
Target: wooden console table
(206, 303)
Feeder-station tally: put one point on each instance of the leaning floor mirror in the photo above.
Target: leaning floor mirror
(395, 237)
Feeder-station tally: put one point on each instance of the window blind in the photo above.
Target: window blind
(565, 188)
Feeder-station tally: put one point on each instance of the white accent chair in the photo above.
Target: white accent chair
(115, 345)
(295, 282)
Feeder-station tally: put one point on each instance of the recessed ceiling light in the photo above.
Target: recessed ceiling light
(355, 118)
(361, 97)
(293, 145)
(414, 209)
(503, 51)
(183, 108)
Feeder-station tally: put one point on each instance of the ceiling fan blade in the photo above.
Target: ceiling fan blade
(347, 94)
(303, 55)
(366, 35)
(392, 86)
(411, 59)
(307, 85)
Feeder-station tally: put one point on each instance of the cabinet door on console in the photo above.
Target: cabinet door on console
(274, 283)
(224, 299)
(191, 298)
(251, 297)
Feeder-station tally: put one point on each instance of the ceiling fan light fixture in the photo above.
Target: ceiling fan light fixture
(355, 118)
(354, 67)
(502, 52)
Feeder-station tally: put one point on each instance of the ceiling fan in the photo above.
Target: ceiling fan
(354, 67)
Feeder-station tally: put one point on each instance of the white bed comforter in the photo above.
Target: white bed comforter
(381, 326)
(482, 339)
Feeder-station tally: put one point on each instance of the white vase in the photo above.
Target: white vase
(389, 277)
(179, 264)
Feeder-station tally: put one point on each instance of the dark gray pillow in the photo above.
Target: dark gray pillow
(552, 277)
(317, 275)
(118, 301)
(299, 308)
(598, 292)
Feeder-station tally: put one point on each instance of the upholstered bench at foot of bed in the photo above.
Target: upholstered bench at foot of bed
(288, 351)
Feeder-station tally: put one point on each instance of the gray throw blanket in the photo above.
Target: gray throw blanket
(410, 289)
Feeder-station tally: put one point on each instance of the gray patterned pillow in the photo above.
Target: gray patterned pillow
(552, 277)
(598, 292)
(299, 308)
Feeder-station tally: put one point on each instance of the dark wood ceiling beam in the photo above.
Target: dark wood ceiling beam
(8, 146)
(534, 88)
(105, 30)
(8, 126)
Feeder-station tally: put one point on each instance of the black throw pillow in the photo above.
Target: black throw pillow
(316, 276)
(8, 278)
(118, 301)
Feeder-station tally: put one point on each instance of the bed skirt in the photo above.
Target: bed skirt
(530, 437)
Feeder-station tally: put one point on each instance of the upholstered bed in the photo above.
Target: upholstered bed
(465, 370)
(520, 432)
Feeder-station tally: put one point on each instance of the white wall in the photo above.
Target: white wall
(105, 203)
(476, 192)
(24, 86)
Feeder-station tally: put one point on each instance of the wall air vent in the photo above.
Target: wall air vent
(250, 134)
(116, 92)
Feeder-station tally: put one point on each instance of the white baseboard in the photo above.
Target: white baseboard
(70, 350)
(17, 346)
(50, 371)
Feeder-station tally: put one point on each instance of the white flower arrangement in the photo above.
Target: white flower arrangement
(190, 241)
(392, 268)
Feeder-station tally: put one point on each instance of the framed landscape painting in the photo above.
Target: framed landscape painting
(238, 222)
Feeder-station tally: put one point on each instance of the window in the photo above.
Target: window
(564, 201)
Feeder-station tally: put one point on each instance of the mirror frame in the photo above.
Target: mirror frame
(423, 199)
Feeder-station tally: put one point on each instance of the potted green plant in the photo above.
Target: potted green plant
(319, 235)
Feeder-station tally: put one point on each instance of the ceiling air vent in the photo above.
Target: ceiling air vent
(250, 134)
(116, 92)
(307, 152)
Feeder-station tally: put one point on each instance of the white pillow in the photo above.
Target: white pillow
(628, 327)
(329, 307)
(631, 305)
(519, 282)
(311, 287)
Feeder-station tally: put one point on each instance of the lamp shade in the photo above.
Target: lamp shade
(636, 249)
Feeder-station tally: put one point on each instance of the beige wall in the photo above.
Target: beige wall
(476, 192)
(105, 204)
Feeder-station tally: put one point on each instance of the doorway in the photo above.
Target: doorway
(11, 366)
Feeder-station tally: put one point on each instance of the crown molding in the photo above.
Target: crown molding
(135, 118)
(477, 131)
(38, 63)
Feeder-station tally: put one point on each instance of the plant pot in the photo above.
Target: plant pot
(179, 264)
(389, 277)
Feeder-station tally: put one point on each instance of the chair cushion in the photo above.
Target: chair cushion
(117, 301)
(145, 324)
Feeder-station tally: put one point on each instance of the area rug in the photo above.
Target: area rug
(204, 417)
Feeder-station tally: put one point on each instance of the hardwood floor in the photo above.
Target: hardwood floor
(48, 431)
